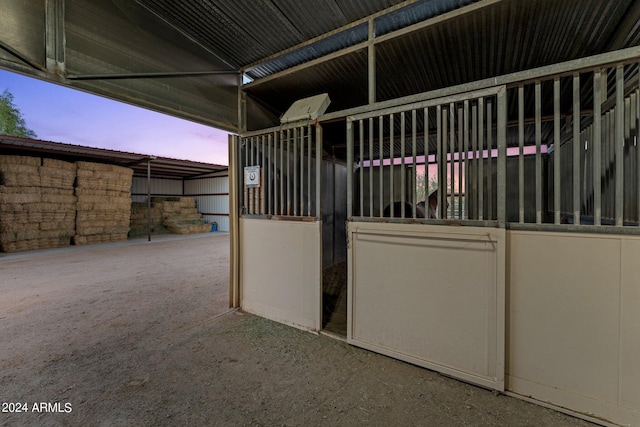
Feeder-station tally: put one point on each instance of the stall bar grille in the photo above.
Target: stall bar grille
(401, 155)
(559, 152)
(288, 172)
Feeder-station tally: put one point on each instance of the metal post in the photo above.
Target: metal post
(502, 158)
(556, 150)
(371, 166)
(576, 149)
(597, 144)
(521, 154)
(381, 167)
(619, 146)
(319, 172)
(538, 123)
(149, 199)
(403, 188)
(413, 152)
(349, 169)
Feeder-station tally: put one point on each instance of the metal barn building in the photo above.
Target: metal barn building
(519, 274)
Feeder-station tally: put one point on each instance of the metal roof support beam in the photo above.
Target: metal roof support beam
(371, 60)
(365, 45)
(149, 75)
(330, 34)
(55, 43)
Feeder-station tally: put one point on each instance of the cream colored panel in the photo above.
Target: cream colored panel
(564, 312)
(630, 326)
(430, 295)
(280, 263)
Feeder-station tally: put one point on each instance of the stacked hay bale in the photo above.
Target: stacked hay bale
(180, 215)
(104, 203)
(58, 208)
(139, 220)
(37, 203)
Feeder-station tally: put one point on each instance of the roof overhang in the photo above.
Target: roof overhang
(160, 167)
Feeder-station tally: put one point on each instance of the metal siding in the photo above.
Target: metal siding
(206, 185)
(159, 186)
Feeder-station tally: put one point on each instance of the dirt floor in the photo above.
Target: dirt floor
(139, 333)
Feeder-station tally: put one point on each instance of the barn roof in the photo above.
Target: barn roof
(161, 167)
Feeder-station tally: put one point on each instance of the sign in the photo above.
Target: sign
(252, 176)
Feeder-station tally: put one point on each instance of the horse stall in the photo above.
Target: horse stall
(524, 282)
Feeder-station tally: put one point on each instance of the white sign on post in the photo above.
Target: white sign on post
(252, 176)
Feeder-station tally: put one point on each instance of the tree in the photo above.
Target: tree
(11, 121)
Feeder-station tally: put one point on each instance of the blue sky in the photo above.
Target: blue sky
(59, 114)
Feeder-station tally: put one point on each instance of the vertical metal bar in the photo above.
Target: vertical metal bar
(556, 151)
(309, 142)
(262, 178)
(288, 172)
(502, 158)
(269, 176)
(360, 167)
(619, 146)
(481, 164)
(381, 166)
(275, 173)
(301, 191)
(475, 184)
(637, 141)
(467, 178)
(426, 161)
(452, 162)
(439, 162)
(490, 195)
(413, 152)
(597, 144)
(149, 199)
(576, 149)
(444, 183)
(319, 174)
(294, 160)
(403, 183)
(349, 168)
(391, 150)
(371, 63)
(460, 162)
(538, 123)
(371, 166)
(521, 154)
(251, 190)
(282, 172)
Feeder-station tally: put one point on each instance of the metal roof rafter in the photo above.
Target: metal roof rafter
(371, 38)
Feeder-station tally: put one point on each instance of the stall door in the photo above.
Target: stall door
(430, 295)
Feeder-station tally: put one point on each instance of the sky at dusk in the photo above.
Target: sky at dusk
(59, 114)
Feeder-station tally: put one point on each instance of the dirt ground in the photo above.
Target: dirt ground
(139, 333)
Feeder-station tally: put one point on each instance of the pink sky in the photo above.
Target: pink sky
(59, 114)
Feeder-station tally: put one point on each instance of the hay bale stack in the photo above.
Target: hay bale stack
(139, 219)
(180, 215)
(104, 203)
(58, 207)
(37, 204)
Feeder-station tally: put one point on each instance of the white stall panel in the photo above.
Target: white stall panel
(430, 295)
(281, 271)
(574, 338)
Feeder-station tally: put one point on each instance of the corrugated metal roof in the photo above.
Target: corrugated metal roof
(161, 167)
